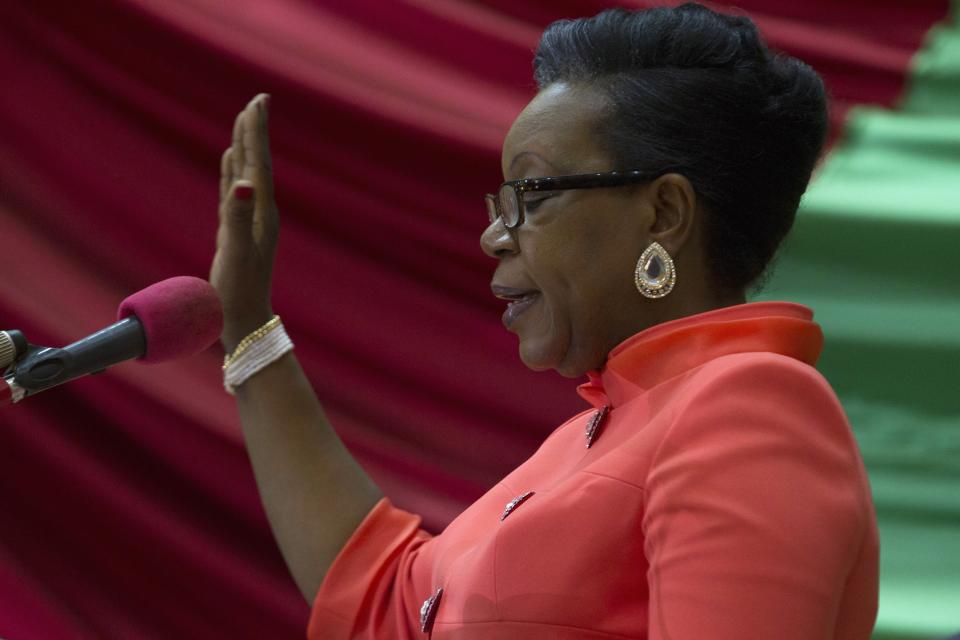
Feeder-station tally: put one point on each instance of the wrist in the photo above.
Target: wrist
(258, 349)
(236, 330)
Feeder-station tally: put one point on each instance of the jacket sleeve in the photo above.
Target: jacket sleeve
(757, 507)
(373, 585)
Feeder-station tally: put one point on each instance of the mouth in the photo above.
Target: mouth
(519, 301)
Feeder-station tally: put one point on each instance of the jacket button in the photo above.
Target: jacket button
(596, 421)
(429, 611)
(513, 504)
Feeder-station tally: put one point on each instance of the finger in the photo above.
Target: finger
(226, 173)
(237, 154)
(258, 165)
(237, 214)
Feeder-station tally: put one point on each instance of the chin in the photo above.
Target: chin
(535, 364)
(571, 372)
(537, 357)
(545, 357)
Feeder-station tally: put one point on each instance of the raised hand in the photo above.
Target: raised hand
(249, 224)
(314, 492)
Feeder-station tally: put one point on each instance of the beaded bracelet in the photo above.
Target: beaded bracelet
(250, 338)
(255, 352)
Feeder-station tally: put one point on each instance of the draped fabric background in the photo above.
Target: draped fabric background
(128, 506)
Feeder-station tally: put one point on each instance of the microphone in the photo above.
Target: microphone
(174, 318)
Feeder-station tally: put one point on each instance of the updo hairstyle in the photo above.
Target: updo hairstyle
(693, 88)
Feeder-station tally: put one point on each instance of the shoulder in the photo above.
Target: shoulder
(760, 370)
(763, 386)
(765, 410)
(756, 485)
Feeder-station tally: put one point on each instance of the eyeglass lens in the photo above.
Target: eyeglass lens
(491, 201)
(509, 206)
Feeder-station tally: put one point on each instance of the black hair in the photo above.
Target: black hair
(697, 89)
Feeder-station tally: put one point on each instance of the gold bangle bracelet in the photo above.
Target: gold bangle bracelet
(250, 338)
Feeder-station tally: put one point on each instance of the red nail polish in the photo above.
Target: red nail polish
(244, 192)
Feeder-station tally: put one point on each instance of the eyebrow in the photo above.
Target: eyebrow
(529, 153)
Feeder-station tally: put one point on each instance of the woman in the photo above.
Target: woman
(714, 490)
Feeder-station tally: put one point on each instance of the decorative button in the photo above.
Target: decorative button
(429, 611)
(513, 504)
(595, 422)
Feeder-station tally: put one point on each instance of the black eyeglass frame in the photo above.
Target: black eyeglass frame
(561, 183)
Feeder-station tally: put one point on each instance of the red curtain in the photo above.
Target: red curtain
(128, 506)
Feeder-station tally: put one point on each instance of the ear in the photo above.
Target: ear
(674, 202)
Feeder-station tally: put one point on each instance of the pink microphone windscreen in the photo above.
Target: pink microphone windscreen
(181, 316)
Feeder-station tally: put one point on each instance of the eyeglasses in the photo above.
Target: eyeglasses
(509, 204)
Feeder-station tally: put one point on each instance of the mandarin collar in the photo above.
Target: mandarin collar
(665, 350)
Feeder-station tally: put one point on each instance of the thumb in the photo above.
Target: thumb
(238, 209)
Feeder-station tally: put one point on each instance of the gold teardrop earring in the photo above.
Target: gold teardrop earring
(655, 274)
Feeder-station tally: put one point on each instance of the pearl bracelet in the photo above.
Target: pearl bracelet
(261, 347)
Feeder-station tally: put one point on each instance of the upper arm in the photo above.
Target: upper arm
(755, 506)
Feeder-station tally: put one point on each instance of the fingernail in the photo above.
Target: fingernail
(243, 192)
(266, 102)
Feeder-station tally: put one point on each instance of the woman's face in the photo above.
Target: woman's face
(568, 269)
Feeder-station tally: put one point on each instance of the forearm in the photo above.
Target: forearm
(313, 490)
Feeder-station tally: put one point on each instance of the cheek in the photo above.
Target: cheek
(570, 280)
(545, 331)
(596, 265)
(552, 274)
(556, 264)
(581, 261)
(590, 261)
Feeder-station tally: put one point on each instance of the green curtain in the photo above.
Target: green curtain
(876, 253)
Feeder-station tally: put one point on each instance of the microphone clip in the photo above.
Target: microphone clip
(14, 349)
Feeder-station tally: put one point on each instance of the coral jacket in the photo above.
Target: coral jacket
(722, 496)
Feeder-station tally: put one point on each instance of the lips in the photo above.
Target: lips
(520, 300)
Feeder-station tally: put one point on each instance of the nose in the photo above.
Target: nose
(497, 241)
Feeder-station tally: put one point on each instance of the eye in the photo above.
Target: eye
(533, 203)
